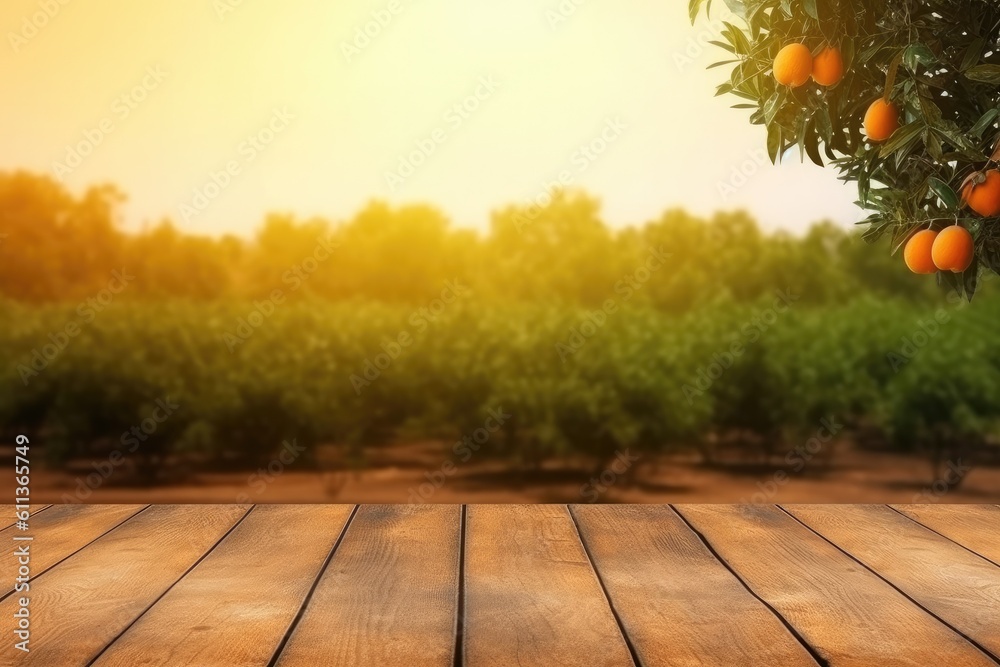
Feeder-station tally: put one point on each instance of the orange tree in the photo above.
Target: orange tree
(903, 99)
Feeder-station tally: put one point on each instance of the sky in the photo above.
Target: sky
(215, 112)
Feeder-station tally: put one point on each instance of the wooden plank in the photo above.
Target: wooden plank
(847, 614)
(678, 604)
(531, 594)
(88, 599)
(58, 533)
(958, 587)
(390, 594)
(8, 518)
(235, 606)
(975, 527)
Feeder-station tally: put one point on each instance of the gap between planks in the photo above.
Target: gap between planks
(986, 652)
(171, 586)
(784, 621)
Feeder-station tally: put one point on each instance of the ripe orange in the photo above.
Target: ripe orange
(881, 120)
(793, 65)
(984, 198)
(952, 249)
(917, 253)
(828, 67)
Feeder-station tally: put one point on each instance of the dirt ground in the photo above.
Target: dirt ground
(425, 472)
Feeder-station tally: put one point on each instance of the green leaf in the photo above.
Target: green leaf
(809, 7)
(847, 52)
(738, 39)
(694, 6)
(773, 105)
(773, 141)
(984, 73)
(812, 147)
(934, 147)
(944, 192)
(901, 234)
(973, 54)
(737, 7)
(724, 45)
(902, 138)
(721, 63)
(928, 108)
(951, 280)
(970, 279)
(877, 227)
(984, 122)
(917, 53)
(824, 125)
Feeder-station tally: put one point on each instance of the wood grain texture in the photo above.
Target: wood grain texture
(390, 594)
(7, 517)
(532, 597)
(59, 532)
(847, 614)
(957, 586)
(678, 604)
(976, 527)
(235, 606)
(85, 601)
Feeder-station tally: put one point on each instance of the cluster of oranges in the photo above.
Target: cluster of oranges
(928, 251)
(952, 248)
(795, 65)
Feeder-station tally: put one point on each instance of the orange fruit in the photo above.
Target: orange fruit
(881, 120)
(828, 67)
(793, 65)
(952, 249)
(917, 253)
(984, 198)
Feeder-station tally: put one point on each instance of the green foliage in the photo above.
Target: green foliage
(55, 248)
(522, 337)
(942, 68)
(642, 379)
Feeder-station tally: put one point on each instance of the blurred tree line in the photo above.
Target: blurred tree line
(57, 247)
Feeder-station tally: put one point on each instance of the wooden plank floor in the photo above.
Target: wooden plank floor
(497, 585)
